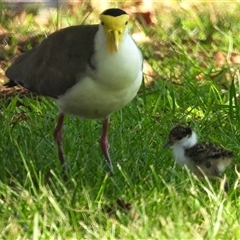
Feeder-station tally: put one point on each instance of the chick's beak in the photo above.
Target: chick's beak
(168, 144)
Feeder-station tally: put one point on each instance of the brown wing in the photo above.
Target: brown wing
(51, 68)
(203, 151)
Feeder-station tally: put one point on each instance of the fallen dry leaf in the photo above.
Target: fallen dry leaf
(149, 73)
(220, 58)
(121, 206)
(235, 58)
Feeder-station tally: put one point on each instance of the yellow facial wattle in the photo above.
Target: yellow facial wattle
(114, 28)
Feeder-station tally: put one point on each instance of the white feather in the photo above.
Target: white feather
(111, 86)
(179, 150)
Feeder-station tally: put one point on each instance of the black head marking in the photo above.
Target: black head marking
(180, 132)
(115, 12)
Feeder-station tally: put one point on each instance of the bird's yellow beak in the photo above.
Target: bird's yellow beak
(114, 28)
(114, 40)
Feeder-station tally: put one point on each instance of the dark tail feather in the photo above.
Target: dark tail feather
(10, 84)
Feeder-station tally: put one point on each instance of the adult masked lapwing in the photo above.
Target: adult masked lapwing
(202, 158)
(89, 70)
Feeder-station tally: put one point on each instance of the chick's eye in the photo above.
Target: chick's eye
(102, 23)
(126, 22)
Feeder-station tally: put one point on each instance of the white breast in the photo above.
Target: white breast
(179, 155)
(182, 160)
(111, 86)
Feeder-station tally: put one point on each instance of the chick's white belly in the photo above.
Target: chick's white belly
(91, 99)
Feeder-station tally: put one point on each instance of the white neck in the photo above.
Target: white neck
(189, 142)
(179, 149)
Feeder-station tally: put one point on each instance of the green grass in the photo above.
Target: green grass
(167, 202)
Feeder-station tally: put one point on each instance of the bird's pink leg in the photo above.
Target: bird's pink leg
(59, 138)
(104, 143)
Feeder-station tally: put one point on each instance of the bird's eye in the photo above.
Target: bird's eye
(102, 23)
(208, 164)
(126, 22)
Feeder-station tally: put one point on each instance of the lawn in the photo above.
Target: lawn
(193, 52)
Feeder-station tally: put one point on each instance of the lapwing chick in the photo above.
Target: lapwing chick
(90, 71)
(202, 158)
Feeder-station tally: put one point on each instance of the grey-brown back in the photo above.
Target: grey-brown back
(52, 67)
(204, 151)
